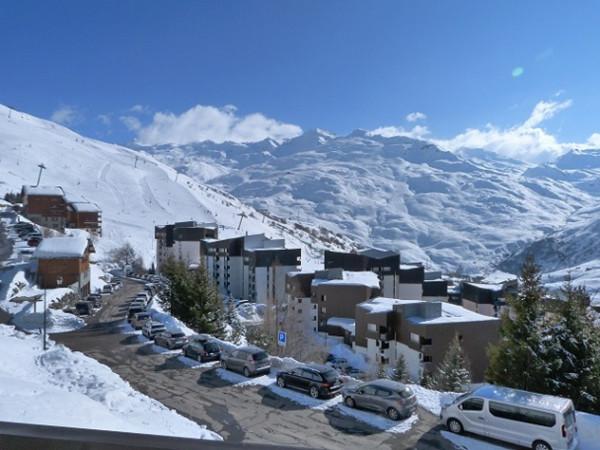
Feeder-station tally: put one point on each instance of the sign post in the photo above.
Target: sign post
(281, 338)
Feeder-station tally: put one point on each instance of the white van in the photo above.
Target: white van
(540, 422)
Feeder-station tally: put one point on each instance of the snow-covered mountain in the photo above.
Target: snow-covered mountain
(134, 190)
(471, 208)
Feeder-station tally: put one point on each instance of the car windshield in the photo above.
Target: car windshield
(211, 347)
(260, 356)
(178, 335)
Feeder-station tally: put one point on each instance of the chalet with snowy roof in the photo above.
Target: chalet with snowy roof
(46, 206)
(64, 262)
(421, 331)
(85, 216)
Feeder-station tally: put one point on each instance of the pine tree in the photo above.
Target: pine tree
(381, 371)
(400, 373)
(572, 351)
(453, 373)
(237, 328)
(515, 361)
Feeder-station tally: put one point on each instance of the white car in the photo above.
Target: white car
(536, 421)
(151, 328)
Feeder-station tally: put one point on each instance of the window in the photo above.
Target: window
(426, 358)
(323, 309)
(415, 338)
(299, 311)
(299, 300)
(367, 390)
(472, 404)
(372, 327)
(520, 414)
(322, 298)
(383, 392)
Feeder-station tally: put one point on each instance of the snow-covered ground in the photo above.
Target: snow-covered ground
(47, 387)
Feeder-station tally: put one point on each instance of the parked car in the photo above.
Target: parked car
(339, 364)
(107, 289)
(540, 422)
(247, 360)
(202, 348)
(133, 310)
(171, 339)
(318, 380)
(83, 308)
(151, 328)
(139, 319)
(396, 400)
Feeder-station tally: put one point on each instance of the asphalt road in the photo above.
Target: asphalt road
(251, 414)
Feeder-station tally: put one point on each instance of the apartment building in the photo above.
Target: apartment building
(300, 312)
(252, 267)
(46, 206)
(182, 241)
(421, 331)
(483, 298)
(64, 262)
(336, 293)
(397, 280)
(435, 290)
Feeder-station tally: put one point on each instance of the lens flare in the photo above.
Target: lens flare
(517, 72)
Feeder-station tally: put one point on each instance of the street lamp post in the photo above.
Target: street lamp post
(59, 282)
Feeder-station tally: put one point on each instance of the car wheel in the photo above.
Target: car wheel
(247, 372)
(455, 426)
(281, 382)
(350, 403)
(314, 392)
(541, 445)
(393, 414)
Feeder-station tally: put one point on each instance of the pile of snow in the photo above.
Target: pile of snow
(59, 387)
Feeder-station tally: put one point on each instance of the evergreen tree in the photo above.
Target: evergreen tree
(193, 298)
(381, 372)
(400, 373)
(572, 351)
(515, 361)
(237, 329)
(453, 373)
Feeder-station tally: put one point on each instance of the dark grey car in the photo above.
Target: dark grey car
(202, 348)
(247, 360)
(396, 400)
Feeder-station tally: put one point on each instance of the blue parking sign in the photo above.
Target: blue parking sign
(281, 338)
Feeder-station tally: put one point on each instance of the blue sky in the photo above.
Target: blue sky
(338, 65)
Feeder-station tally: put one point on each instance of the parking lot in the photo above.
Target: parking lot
(248, 413)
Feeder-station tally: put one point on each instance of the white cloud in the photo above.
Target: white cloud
(201, 123)
(544, 111)
(526, 141)
(65, 115)
(594, 140)
(131, 122)
(140, 109)
(417, 132)
(414, 116)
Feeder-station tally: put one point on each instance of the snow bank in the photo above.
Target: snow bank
(61, 387)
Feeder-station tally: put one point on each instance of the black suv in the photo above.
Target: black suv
(317, 380)
(202, 348)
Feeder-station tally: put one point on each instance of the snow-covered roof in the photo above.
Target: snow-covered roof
(488, 286)
(366, 278)
(62, 247)
(524, 398)
(342, 322)
(43, 190)
(85, 207)
(452, 314)
(384, 304)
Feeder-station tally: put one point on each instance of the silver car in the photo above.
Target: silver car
(391, 398)
(247, 360)
(170, 339)
(139, 319)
